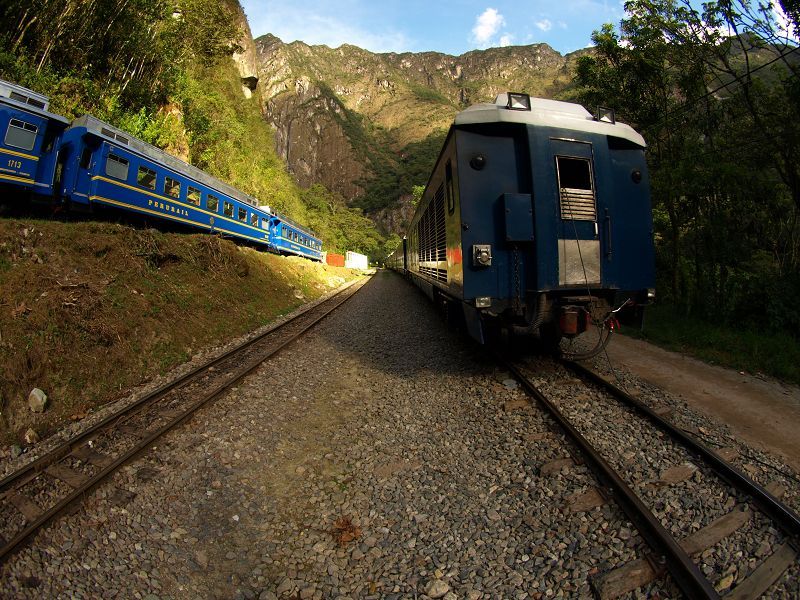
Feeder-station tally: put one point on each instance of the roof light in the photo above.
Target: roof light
(518, 101)
(605, 115)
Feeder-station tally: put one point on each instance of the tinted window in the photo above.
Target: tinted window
(228, 209)
(146, 178)
(172, 187)
(86, 157)
(193, 196)
(243, 214)
(574, 173)
(116, 167)
(213, 203)
(21, 134)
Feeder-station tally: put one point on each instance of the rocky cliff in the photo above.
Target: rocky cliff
(247, 58)
(351, 119)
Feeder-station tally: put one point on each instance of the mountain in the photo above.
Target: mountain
(369, 126)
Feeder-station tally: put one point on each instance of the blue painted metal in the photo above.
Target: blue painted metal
(508, 195)
(88, 163)
(31, 169)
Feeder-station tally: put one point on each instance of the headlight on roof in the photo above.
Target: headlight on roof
(518, 101)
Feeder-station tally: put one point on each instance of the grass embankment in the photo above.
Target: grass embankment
(88, 310)
(770, 353)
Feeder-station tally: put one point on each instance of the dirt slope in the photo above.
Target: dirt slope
(90, 309)
(763, 411)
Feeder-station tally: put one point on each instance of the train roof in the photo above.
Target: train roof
(546, 113)
(21, 97)
(117, 136)
(305, 230)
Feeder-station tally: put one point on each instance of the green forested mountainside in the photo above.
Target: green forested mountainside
(162, 70)
(388, 113)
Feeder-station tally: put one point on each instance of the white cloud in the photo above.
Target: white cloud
(506, 39)
(544, 25)
(487, 25)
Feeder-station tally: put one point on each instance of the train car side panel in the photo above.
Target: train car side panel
(489, 159)
(28, 147)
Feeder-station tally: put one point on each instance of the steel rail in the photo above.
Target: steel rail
(681, 567)
(784, 517)
(69, 445)
(46, 517)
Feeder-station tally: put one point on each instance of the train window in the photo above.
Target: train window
(254, 220)
(86, 158)
(146, 178)
(193, 196)
(172, 187)
(576, 189)
(574, 173)
(451, 198)
(212, 202)
(264, 224)
(243, 214)
(294, 236)
(228, 209)
(21, 134)
(117, 167)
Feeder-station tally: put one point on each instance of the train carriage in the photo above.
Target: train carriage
(30, 138)
(104, 166)
(87, 163)
(290, 238)
(536, 219)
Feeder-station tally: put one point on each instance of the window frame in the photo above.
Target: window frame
(227, 208)
(169, 189)
(119, 160)
(215, 199)
(143, 170)
(26, 128)
(193, 195)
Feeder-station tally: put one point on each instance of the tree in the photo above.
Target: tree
(716, 95)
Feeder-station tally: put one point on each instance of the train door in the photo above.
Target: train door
(579, 252)
(73, 172)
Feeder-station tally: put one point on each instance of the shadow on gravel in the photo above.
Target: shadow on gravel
(392, 326)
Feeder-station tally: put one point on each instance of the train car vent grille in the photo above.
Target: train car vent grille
(114, 135)
(432, 240)
(578, 205)
(27, 100)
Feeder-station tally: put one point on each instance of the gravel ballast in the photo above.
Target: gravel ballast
(381, 456)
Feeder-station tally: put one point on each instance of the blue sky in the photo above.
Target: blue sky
(452, 26)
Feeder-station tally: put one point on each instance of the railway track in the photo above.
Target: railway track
(685, 554)
(55, 482)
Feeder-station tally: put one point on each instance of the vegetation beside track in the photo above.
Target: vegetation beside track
(744, 349)
(88, 310)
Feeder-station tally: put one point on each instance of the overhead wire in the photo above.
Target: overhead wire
(686, 105)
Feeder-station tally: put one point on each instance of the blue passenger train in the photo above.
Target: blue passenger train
(536, 221)
(31, 136)
(87, 163)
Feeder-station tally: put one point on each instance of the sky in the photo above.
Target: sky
(448, 26)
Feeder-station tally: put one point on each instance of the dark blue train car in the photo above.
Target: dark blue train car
(30, 140)
(103, 166)
(290, 238)
(536, 220)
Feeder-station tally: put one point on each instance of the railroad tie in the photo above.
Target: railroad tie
(27, 507)
(640, 572)
(71, 477)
